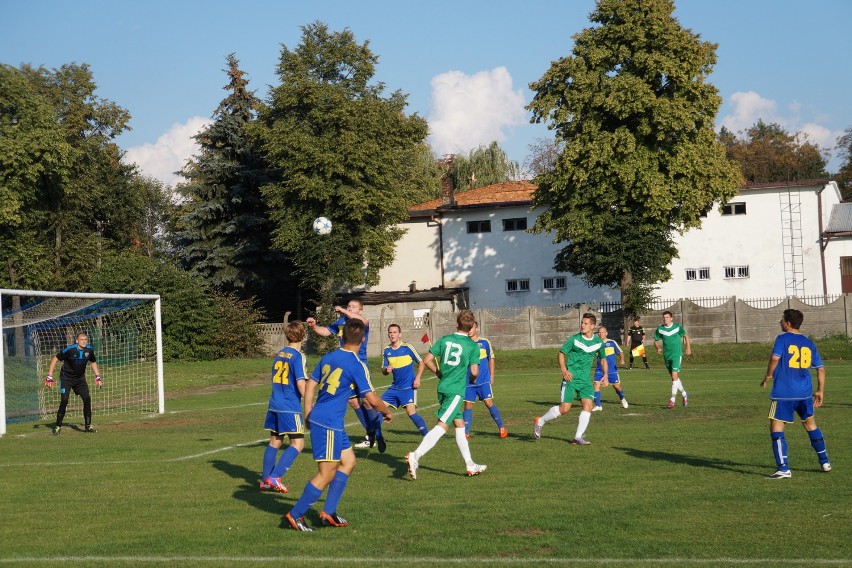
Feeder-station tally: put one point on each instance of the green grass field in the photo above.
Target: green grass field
(657, 487)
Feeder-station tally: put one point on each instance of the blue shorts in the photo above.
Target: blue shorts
(282, 422)
(481, 392)
(398, 398)
(327, 444)
(611, 377)
(782, 410)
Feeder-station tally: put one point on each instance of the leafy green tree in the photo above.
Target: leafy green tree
(844, 176)
(343, 150)
(640, 162)
(197, 324)
(224, 230)
(483, 166)
(768, 153)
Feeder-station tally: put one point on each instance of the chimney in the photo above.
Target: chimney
(448, 196)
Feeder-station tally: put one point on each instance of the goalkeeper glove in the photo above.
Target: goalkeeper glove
(48, 382)
(99, 382)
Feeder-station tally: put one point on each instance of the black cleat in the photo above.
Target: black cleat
(371, 438)
(382, 444)
(298, 524)
(332, 520)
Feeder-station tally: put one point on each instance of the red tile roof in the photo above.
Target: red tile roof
(509, 192)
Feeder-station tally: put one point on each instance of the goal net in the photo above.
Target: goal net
(124, 331)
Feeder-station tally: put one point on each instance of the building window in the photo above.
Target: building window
(736, 272)
(518, 285)
(518, 224)
(698, 273)
(554, 283)
(479, 226)
(734, 209)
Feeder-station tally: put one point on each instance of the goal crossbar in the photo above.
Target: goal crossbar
(61, 310)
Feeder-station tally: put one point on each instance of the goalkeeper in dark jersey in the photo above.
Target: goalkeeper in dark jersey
(72, 377)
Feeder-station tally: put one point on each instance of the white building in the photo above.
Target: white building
(772, 240)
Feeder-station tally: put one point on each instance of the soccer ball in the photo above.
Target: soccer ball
(322, 226)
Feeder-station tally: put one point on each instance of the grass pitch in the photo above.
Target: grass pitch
(657, 487)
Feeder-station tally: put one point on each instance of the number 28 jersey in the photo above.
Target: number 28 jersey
(791, 379)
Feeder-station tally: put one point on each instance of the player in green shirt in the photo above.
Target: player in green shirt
(670, 339)
(455, 360)
(576, 358)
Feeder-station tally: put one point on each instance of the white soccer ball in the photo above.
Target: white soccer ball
(322, 226)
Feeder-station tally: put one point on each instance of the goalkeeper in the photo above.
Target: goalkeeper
(72, 377)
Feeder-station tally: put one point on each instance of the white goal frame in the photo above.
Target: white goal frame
(41, 293)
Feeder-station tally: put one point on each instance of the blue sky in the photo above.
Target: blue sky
(466, 65)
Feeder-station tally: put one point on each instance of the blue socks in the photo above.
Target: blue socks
(420, 423)
(287, 459)
(495, 414)
(467, 416)
(818, 444)
(309, 496)
(779, 450)
(335, 492)
(598, 398)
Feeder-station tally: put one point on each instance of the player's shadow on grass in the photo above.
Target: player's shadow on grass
(249, 492)
(695, 461)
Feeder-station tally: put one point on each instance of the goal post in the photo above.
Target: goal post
(125, 331)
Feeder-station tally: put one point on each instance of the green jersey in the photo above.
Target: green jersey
(580, 353)
(672, 338)
(455, 354)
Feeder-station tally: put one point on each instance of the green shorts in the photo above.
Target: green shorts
(673, 364)
(577, 390)
(451, 408)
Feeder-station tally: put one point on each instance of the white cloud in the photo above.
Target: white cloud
(169, 153)
(748, 108)
(472, 110)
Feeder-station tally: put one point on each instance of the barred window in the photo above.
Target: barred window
(698, 273)
(734, 209)
(518, 285)
(554, 283)
(736, 272)
(518, 224)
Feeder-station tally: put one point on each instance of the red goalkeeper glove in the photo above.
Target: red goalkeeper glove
(48, 382)
(99, 382)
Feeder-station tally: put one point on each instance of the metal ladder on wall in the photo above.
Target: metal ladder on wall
(791, 241)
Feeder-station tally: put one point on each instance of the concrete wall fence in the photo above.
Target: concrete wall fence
(707, 320)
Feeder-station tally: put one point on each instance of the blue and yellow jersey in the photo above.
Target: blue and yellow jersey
(404, 359)
(288, 368)
(613, 349)
(792, 379)
(336, 328)
(485, 356)
(340, 375)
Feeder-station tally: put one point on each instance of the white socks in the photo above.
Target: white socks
(429, 441)
(583, 423)
(551, 414)
(464, 447)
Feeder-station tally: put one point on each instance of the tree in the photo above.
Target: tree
(224, 229)
(544, 152)
(844, 176)
(342, 150)
(768, 153)
(640, 162)
(483, 166)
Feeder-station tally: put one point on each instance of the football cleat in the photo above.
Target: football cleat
(581, 442)
(332, 520)
(476, 469)
(365, 443)
(504, 433)
(382, 444)
(597, 409)
(825, 466)
(536, 428)
(90, 429)
(276, 485)
(371, 438)
(413, 463)
(624, 403)
(685, 400)
(298, 524)
(264, 486)
(647, 367)
(467, 436)
(57, 430)
(780, 475)
(670, 404)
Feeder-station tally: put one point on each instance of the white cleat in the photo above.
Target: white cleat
(597, 409)
(536, 428)
(826, 466)
(624, 403)
(413, 464)
(476, 469)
